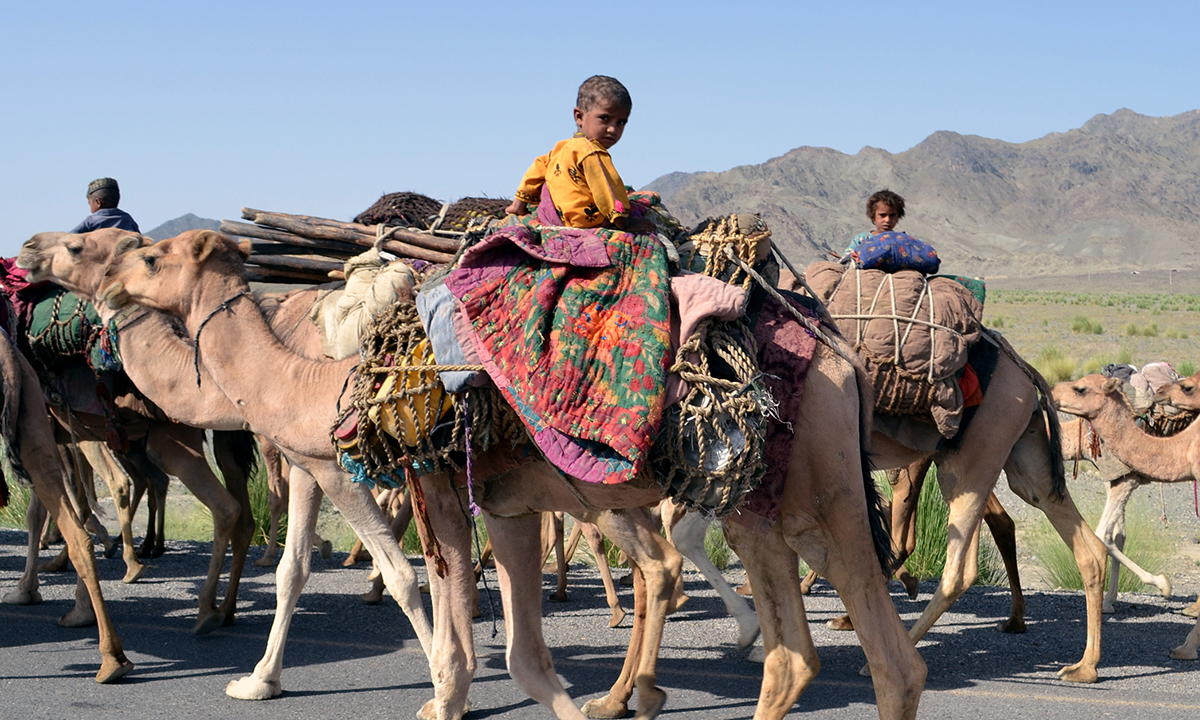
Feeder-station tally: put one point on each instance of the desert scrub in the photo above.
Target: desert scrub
(1054, 365)
(1085, 325)
(997, 322)
(1186, 368)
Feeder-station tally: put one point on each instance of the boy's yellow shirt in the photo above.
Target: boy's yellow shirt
(586, 188)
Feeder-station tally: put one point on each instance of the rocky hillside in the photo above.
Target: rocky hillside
(1120, 193)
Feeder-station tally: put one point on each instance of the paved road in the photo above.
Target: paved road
(350, 660)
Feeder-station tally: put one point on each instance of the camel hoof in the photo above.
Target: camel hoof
(650, 703)
(617, 616)
(428, 711)
(134, 573)
(1078, 673)
(114, 671)
(1183, 652)
(18, 597)
(558, 597)
(912, 586)
(1107, 608)
(110, 549)
(265, 561)
(746, 591)
(748, 635)
(1191, 610)
(77, 619)
(626, 581)
(251, 688)
(372, 597)
(605, 707)
(757, 655)
(326, 550)
(208, 623)
(865, 671)
(1015, 625)
(1163, 584)
(840, 623)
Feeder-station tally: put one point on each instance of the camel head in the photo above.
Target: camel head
(174, 275)
(1086, 396)
(1182, 393)
(76, 262)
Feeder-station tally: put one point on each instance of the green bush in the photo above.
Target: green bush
(1187, 368)
(260, 507)
(1132, 330)
(1054, 365)
(12, 515)
(1150, 330)
(997, 322)
(1084, 324)
(715, 546)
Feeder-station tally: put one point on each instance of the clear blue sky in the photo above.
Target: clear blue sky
(319, 108)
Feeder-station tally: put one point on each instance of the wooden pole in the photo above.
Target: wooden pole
(349, 232)
(230, 227)
(308, 263)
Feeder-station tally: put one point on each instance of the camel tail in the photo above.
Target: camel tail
(876, 517)
(1058, 471)
(239, 447)
(10, 411)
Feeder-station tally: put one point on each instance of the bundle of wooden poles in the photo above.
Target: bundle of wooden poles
(303, 249)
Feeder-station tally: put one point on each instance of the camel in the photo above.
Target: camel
(1100, 401)
(277, 495)
(825, 513)
(1111, 526)
(31, 454)
(164, 367)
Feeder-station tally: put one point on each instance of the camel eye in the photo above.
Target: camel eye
(75, 249)
(149, 260)
(1080, 391)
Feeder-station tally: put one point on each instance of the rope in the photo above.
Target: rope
(196, 341)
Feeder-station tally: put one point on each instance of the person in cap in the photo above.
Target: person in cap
(103, 195)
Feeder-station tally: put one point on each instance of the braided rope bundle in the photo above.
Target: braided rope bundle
(709, 453)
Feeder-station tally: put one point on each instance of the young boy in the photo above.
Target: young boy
(578, 174)
(884, 208)
(103, 195)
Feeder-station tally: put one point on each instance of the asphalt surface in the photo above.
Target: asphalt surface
(346, 659)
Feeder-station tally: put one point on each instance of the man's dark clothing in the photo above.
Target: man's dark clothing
(105, 218)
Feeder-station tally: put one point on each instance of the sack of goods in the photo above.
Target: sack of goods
(895, 251)
(912, 332)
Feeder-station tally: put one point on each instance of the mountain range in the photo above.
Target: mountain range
(1118, 194)
(183, 223)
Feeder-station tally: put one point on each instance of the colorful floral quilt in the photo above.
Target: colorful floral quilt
(573, 326)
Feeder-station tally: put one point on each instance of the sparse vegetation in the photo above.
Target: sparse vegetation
(1084, 324)
(1054, 365)
(1186, 368)
(12, 515)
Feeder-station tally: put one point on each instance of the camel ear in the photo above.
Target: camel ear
(1112, 385)
(244, 248)
(127, 243)
(203, 244)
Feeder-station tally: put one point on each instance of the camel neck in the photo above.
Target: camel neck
(1164, 459)
(289, 399)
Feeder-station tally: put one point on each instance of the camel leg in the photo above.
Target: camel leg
(552, 539)
(595, 541)
(790, 661)
(149, 479)
(906, 492)
(277, 499)
(235, 456)
(1111, 531)
(181, 452)
(686, 530)
(1004, 532)
(452, 662)
(92, 523)
(1029, 476)
(304, 500)
(658, 568)
(399, 525)
(810, 579)
(1187, 651)
(517, 545)
(27, 592)
(99, 458)
(40, 457)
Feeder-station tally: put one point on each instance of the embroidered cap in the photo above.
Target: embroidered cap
(102, 184)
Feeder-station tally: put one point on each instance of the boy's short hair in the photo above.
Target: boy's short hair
(105, 191)
(602, 87)
(885, 197)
